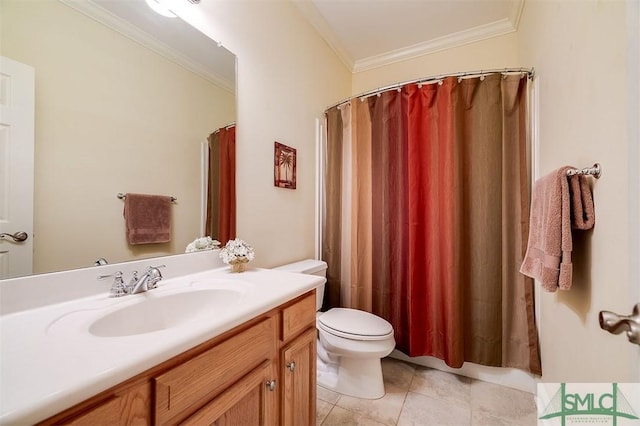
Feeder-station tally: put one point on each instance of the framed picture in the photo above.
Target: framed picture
(284, 162)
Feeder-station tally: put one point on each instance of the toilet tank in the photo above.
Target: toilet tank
(310, 267)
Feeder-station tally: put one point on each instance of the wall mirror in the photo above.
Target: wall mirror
(124, 102)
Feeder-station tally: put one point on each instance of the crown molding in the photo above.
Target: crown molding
(501, 27)
(516, 14)
(481, 32)
(311, 14)
(132, 32)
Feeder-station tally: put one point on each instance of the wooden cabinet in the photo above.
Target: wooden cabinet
(298, 369)
(127, 406)
(262, 372)
(196, 381)
(252, 400)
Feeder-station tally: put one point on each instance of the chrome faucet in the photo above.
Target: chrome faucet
(148, 280)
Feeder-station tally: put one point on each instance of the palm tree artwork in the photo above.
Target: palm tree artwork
(285, 166)
(286, 161)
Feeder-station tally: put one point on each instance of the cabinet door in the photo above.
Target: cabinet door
(298, 372)
(132, 407)
(253, 400)
(190, 385)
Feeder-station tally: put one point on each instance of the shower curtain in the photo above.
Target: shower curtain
(221, 190)
(439, 218)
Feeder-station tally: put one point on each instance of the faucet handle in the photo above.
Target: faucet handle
(154, 275)
(117, 288)
(134, 278)
(100, 262)
(155, 267)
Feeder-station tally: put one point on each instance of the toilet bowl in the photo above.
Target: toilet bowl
(350, 343)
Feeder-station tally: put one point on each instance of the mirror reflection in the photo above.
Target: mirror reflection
(125, 102)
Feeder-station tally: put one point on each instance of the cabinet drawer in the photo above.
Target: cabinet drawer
(185, 388)
(298, 316)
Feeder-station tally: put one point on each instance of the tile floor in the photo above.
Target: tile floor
(424, 396)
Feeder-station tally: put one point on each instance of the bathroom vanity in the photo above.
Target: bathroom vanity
(260, 373)
(249, 358)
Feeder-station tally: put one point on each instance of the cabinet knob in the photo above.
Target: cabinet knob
(291, 366)
(271, 385)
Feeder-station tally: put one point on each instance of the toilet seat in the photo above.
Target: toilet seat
(354, 324)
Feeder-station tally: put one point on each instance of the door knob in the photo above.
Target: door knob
(18, 237)
(616, 324)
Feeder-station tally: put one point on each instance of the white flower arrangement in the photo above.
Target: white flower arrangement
(203, 243)
(236, 251)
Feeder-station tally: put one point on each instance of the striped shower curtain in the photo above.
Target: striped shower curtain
(220, 222)
(438, 192)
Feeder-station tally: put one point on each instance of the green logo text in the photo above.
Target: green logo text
(564, 404)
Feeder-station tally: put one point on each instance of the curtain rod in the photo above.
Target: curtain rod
(228, 126)
(435, 78)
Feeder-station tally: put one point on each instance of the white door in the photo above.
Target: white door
(17, 103)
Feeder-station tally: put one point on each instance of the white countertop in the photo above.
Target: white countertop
(49, 361)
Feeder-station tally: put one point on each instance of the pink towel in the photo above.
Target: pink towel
(582, 210)
(147, 218)
(548, 257)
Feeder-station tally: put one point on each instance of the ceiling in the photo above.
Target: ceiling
(371, 33)
(170, 37)
(365, 34)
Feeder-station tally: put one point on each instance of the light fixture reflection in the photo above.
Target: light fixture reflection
(160, 8)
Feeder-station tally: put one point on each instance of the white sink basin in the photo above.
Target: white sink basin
(159, 312)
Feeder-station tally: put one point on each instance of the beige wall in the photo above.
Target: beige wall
(579, 50)
(287, 75)
(496, 52)
(111, 116)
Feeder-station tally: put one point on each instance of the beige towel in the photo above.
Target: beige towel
(147, 218)
(548, 257)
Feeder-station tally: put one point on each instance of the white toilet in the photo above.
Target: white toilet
(350, 344)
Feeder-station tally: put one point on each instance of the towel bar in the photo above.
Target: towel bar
(123, 196)
(595, 171)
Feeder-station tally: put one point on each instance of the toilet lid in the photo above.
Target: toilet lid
(355, 324)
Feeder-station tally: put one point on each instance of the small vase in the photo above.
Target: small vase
(238, 266)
